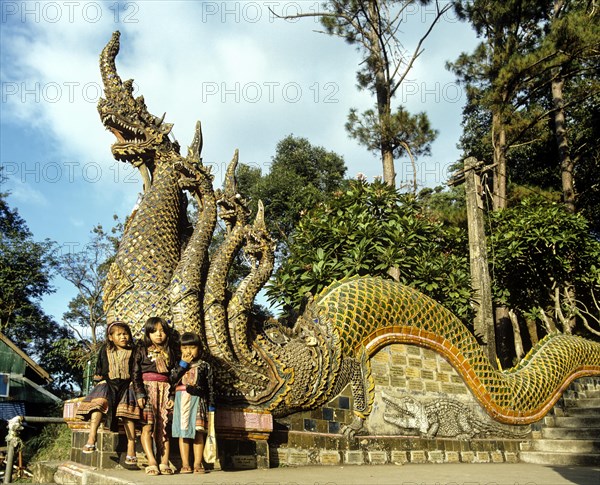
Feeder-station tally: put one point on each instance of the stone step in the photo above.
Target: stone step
(583, 402)
(586, 383)
(71, 473)
(590, 393)
(582, 411)
(554, 458)
(571, 433)
(573, 421)
(582, 392)
(567, 445)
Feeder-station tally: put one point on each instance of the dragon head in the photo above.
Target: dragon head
(233, 208)
(139, 134)
(258, 239)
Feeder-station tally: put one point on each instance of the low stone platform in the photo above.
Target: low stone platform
(242, 441)
(423, 474)
(110, 452)
(301, 448)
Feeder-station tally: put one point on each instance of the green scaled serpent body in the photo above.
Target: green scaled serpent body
(372, 313)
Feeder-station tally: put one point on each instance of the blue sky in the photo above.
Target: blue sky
(251, 79)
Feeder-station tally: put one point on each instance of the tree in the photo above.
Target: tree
(399, 131)
(528, 80)
(87, 270)
(539, 250)
(510, 30)
(372, 26)
(585, 148)
(365, 230)
(573, 34)
(300, 176)
(447, 206)
(26, 271)
(516, 83)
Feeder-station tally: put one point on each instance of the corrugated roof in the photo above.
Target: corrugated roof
(28, 360)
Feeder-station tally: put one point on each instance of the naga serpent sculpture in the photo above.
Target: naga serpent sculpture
(163, 267)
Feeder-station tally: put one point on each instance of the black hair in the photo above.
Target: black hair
(150, 327)
(190, 338)
(110, 345)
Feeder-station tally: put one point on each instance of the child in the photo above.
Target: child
(194, 397)
(153, 362)
(113, 395)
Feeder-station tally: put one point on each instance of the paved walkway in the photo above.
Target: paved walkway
(410, 474)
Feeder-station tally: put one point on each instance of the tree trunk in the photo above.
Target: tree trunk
(520, 353)
(389, 173)
(567, 166)
(548, 322)
(503, 321)
(483, 324)
(532, 330)
(560, 127)
(499, 197)
(382, 91)
(394, 273)
(560, 133)
(499, 143)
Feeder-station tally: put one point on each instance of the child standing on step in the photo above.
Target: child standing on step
(194, 398)
(154, 360)
(113, 396)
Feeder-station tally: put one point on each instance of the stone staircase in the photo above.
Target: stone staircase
(570, 434)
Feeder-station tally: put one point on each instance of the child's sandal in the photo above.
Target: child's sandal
(199, 470)
(186, 469)
(87, 449)
(130, 460)
(165, 469)
(152, 470)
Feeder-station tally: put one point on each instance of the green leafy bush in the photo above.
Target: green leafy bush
(366, 230)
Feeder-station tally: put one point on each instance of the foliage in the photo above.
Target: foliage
(300, 176)
(527, 46)
(538, 247)
(53, 442)
(402, 131)
(449, 206)
(585, 118)
(366, 230)
(26, 271)
(87, 271)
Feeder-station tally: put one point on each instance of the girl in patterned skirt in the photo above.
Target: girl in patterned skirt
(113, 396)
(154, 360)
(194, 397)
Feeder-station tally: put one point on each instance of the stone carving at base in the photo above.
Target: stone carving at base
(443, 417)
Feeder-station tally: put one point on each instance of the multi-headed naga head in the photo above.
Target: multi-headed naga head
(233, 208)
(258, 239)
(139, 134)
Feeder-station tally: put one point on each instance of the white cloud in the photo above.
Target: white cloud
(24, 193)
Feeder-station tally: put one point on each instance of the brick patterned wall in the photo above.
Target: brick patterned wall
(313, 437)
(416, 370)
